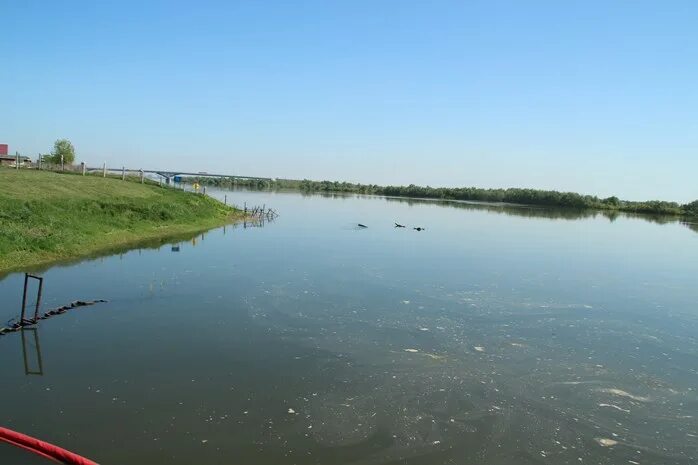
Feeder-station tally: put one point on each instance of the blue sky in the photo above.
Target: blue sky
(598, 97)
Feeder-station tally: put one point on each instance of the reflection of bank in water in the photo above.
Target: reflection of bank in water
(251, 222)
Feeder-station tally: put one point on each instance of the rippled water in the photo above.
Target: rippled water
(496, 336)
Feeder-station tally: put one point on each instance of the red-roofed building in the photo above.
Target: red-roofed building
(3, 149)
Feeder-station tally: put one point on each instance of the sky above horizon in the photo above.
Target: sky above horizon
(594, 97)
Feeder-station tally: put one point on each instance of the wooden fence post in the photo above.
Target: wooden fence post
(38, 297)
(24, 298)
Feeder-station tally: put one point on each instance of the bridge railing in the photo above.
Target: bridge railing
(164, 178)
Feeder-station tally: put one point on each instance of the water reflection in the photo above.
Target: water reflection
(489, 339)
(31, 352)
(691, 226)
(174, 241)
(148, 244)
(553, 213)
(526, 211)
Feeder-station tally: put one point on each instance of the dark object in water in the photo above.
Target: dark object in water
(362, 225)
(398, 225)
(56, 311)
(419, 228)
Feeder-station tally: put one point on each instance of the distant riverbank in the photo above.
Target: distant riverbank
(515, 196)
(47, 217)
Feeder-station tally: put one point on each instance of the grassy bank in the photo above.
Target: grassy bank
(46, 217)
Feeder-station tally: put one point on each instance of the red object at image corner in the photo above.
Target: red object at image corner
(44, 449)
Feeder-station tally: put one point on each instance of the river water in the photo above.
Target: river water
(499, 335)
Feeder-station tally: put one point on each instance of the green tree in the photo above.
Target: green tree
(64, 151)
(691, 208)
(612, 201)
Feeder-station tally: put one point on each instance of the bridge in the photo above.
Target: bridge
(168, 175)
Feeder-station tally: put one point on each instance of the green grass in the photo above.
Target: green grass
(47, 217)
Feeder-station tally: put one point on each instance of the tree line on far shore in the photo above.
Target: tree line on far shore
(511, 195)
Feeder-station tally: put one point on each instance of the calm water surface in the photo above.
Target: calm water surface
(496, 336)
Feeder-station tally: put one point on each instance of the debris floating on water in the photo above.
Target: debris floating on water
(605, 442)
(621, 393)
(412, 351)
(615, 407)
(291, 411)
(479, 348)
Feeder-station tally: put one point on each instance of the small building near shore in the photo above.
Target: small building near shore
(11, 160)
